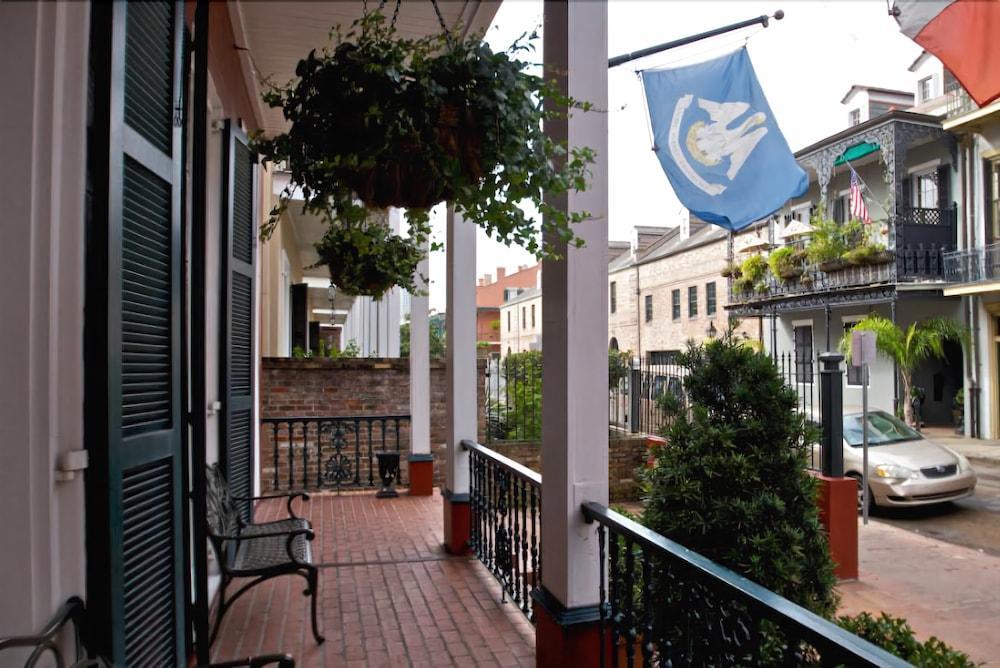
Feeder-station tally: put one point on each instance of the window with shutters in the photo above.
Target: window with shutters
(710, 298)
(508, 321)
(675, 304)
(532, 316)
(524, 318)
(613, 299)
(803, 336)
(693, 301)
(649, 308)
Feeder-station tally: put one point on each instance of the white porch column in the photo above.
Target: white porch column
(574, 349)
(421, 459)
(461, 356)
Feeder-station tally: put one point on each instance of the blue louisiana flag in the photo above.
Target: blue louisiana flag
(718, 141)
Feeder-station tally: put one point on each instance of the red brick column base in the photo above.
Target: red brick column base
(567, 636)
(457, 522)
(838, 511)
(421, 474)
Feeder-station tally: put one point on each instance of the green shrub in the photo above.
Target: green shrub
(754, 268)
(894, 635)
(732, 486)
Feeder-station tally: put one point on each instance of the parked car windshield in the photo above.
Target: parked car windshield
(882, 429)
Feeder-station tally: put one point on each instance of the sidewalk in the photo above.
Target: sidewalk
(976, 449)
(941, 589)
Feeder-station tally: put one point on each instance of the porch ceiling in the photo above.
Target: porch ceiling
(277, 34)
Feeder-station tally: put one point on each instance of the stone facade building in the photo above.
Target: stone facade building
(669, 290)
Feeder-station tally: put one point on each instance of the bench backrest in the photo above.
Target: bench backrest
(223, 515)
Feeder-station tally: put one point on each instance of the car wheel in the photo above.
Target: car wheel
(861, 494)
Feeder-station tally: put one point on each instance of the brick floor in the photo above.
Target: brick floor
(390, 595)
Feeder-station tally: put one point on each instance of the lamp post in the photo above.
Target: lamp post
(711, 332)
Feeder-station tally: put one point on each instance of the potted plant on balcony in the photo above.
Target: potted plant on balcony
(826, 247)
(785, 263)
(381, 121)
(731, 270)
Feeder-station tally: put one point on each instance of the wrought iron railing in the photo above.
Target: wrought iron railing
(920, 238)
(505, 499)
(958, 101)
(972, 265)
(309, 453)
(662, 604)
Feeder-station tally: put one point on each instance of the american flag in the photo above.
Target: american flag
(859, 209)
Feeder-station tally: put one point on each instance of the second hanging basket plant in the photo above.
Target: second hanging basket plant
(382, 121)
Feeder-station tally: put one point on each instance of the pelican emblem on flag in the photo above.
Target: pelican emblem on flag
(710, 143)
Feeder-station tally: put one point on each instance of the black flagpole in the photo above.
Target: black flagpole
(642, 53)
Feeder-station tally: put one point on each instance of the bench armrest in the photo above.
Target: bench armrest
(290, 496)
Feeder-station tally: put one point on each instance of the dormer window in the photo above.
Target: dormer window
(854, 117)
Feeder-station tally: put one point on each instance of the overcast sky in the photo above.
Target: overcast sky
(805, 63)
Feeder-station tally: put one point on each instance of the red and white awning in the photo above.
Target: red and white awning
(963, 34)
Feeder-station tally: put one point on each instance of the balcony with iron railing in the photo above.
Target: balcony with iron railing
(919, 239)
(973, 265)
(958, 101)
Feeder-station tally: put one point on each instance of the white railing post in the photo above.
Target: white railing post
(462, 390)
(574, 345)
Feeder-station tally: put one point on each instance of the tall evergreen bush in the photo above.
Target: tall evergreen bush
(731, 484)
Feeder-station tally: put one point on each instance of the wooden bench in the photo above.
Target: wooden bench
(259, 551)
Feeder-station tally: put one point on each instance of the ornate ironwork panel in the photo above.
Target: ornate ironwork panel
(309, 453)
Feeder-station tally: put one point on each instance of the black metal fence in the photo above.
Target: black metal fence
(310, 453)
(514, 398)
(644, 399)
(505, 499)
(802, 375)
(662, 604)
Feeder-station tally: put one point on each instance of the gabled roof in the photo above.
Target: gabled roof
(874, 89)
(889, 117)
(703, 235)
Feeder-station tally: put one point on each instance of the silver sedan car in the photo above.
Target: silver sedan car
(904, 468)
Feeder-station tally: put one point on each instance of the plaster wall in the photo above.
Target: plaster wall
(881, 388)
(522, 335)
(42, 183)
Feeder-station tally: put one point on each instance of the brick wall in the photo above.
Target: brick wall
(625, 455)
(347, 387)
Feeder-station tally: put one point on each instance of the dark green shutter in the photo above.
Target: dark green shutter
(238, 247)
(944, 186)
(133, 415)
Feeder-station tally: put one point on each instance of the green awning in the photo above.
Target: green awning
(855, 152)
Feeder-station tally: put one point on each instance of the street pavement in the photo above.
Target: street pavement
(941, 589)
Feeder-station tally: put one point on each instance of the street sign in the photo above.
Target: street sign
(862, 347)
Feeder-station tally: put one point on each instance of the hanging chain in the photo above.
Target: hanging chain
(437, 10)
(395, 15)
(444, 26)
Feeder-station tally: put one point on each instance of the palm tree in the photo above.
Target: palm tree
(908, 347)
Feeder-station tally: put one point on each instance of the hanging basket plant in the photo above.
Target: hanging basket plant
(368, 259)
(381, 121)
